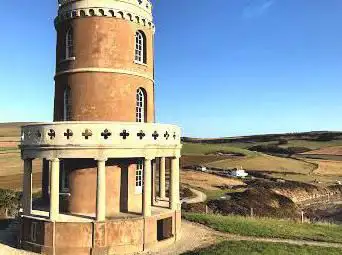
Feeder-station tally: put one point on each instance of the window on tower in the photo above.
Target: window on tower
(139, 177)
(67, 104)
(141, 106)
(140, 47)
(69, 44)
(64, 180)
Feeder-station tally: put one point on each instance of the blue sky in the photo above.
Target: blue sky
(223, 67)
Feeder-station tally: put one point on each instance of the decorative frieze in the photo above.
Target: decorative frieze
(137, 11)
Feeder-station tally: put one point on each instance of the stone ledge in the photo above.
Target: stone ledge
(100, 134)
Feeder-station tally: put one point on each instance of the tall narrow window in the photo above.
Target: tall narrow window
(64, 180)
(69, 44)
(139, 177)
(140, 109)
(140, 47)
(67, 104)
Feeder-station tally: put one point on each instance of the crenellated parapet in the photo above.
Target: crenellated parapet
(138, 11)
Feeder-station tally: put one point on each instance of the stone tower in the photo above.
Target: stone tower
(103, 152)
(100, 69)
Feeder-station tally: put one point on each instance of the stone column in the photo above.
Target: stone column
(101, 190)
(54, 192)
(162, 192)
(27, 187)
(174, 184)
(147, 210)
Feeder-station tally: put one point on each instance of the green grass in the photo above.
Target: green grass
(202, 149)
(216, 194)
(191, 148)
(271, 228)
(313, 145)
(254, 248)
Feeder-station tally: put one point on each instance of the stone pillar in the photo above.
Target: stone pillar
(27, 187)
(174, 184)
(162, 192)
(101, 190)
(147, 210)
(54, 192)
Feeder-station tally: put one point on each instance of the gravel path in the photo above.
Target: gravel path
(194, 236)
(231, 237)
(200, 197)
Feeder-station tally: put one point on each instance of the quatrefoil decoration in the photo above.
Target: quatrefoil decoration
(141, 134)
(124, 134)
(87, 133)
(155, 135)
(52, 134)
(68, 134)
(167, 135)
(106, 134)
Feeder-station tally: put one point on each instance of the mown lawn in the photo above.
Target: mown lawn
(271, 228)
(254, 248)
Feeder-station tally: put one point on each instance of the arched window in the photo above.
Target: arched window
(141, 106)
(140, 47)
(67, 104)
(69, 44)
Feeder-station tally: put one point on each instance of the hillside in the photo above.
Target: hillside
(254, 153)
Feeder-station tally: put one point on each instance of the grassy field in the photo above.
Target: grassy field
(322, 172)
(202, 149)
(255, 248)
(269, 228)
(263, 162)
(10, 129)
(207, 182)
(207, 154)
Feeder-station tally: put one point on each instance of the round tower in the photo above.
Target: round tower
(104, 72)
(104, 58)
(105, 160)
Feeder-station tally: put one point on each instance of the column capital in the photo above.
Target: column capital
(149, 157)
(56, 160)
(176, 157)
(101, 159)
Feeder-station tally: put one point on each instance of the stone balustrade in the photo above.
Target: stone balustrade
(100, 139)
(100, 134)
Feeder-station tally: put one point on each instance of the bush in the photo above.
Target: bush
(275, 149)
(326, 137)
(9, 202)
(265, 203)
(282, 141)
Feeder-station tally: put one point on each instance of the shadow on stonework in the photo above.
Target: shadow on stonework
(9, 232)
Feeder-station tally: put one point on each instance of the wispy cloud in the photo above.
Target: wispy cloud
(257, 8)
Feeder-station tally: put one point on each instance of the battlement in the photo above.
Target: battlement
(136, 8)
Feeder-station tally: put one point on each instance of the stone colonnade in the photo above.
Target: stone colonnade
(174, 197)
